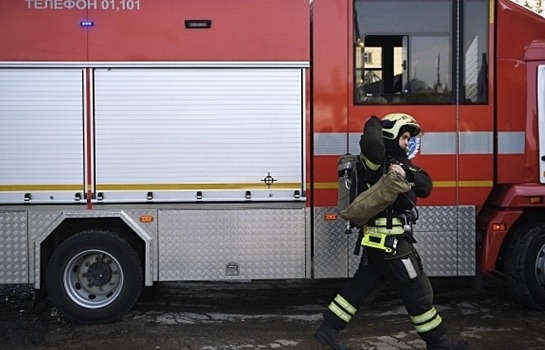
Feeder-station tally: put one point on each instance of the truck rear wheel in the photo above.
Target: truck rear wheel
(525, 266)
(94, 277)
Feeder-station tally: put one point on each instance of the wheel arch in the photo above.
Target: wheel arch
(528, 216)
(69, 223)
(523, 260)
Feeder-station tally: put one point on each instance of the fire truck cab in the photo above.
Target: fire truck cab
(145, 141)
(471, 72)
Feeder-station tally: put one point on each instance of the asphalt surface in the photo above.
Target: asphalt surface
(270, 315)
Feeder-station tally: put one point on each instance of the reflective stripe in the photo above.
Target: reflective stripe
(427, 321)
(345, 304)
(340, 313)
(476, 142)
(426, 327)
(433, 143)
(396, 230)
(511, 142)
(426, 316)
(372, 166)
(384, 222)
(409, 267)
(376, 236)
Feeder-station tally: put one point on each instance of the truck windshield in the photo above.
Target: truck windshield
(435, 53)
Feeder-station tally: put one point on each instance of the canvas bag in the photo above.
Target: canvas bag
(375, 199)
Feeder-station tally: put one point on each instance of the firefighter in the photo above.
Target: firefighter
(387, 242)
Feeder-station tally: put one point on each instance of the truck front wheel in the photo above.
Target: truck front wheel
(525, 266)
(94, 277)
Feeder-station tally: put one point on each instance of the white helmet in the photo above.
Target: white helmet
(393, 122)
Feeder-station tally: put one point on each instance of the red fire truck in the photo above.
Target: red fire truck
(144, 141)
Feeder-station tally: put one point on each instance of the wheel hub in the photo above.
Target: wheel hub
(93, 278)
(99, 274)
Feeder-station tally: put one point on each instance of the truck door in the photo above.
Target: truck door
(210, 134)
(432, 63)
(541, 119)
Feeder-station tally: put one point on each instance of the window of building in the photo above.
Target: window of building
(414, 58)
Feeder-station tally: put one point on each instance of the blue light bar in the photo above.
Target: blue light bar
(86, 24)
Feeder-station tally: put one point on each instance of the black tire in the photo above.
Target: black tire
(525, 266)
(94, 277)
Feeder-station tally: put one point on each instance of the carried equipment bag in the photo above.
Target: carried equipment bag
(375, 199)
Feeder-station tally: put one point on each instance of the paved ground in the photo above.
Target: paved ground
(270, 315)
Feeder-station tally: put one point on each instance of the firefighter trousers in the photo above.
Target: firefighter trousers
(402, 271)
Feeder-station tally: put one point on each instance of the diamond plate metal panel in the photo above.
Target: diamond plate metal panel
(13, 245)
(308, 243)
(438, 251)
(151, 229)
(437, 218)
(331, 245)
(467, 242)
(446, 240)
(38, 222)
(445, 235)
(231, 244)
(42, 222)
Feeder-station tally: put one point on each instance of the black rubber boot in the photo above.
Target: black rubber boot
(328, 335)
(449, 344)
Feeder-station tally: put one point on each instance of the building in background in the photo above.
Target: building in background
(536, 5)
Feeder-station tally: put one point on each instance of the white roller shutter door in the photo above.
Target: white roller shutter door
(217, 131)
(41, 135)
